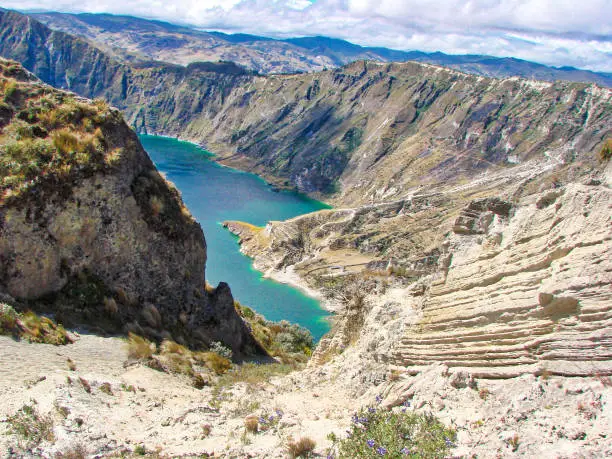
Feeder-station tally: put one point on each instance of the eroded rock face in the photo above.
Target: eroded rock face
(529, 294)
(106, 240)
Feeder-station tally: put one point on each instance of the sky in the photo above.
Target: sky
(553, 32)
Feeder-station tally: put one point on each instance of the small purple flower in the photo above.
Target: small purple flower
(330, 456)
(405, 451)
(379, 399)
(355, 419)
(348, 434)
(370, 443)
(271, 418)
(363, 420)
(262, 420)
(448, 442)
(372, 410)
(381, 450)
(279, 413)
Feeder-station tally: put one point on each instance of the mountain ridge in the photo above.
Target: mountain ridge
(283, 55)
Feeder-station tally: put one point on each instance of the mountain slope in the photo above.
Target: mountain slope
(132, 38)
(369, 131)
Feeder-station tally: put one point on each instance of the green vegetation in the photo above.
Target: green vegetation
(289, 343)
(606, 150)
(174, 358)
(254, 374)
(31, 327)
(31, 426)
(47, 135)
(377, 432)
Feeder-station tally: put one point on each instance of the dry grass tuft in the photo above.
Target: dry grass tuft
(77, 451)
(140, 348)
(251, 424)
(85, 384)
(220, 365)
(32, 327)
(106, 388)
(303, 447)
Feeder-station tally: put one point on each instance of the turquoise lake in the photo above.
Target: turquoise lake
(213, 194)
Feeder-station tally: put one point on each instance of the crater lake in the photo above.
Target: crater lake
(214, 194)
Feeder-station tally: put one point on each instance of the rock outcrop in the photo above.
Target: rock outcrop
(529, 291)
(89, 228)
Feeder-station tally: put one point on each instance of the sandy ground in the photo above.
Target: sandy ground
(522, 417)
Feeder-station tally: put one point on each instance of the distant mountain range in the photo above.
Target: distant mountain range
(134, 39)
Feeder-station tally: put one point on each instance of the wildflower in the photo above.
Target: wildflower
(348, 434)
(381, 450)
(370, 443)
(262, 420)
(372, 410)
(363, 420)
(448, 442)
(279, 413)
(355, 419)
(271, 418)
(405, 451)
(379, 399)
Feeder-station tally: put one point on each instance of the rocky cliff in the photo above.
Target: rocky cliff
(91, 231)
(508, 285)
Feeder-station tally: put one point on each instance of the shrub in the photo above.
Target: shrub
(28, 424)
(301, 448)
(606, 150)
(377, 432)
(8, 319)
(219, 348)
(290, 343)
(106, 388)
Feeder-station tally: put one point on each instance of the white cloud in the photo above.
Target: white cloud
(559, 32)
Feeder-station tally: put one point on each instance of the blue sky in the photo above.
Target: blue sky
(554, 32)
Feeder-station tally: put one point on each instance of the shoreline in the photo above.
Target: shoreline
(290, 277)
(271, 181)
